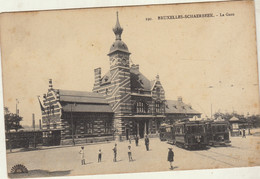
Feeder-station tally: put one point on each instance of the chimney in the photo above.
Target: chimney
(50, 85)
(135, 67)
(97, 74)
(179, 99)
(40, 124)
(157, 77)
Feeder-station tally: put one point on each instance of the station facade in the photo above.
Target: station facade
(123, 103)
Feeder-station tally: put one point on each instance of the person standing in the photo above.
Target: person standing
(170, 157)
(244, 133)
(146, 140)
(136, 140)
(99, 155)
(130, 154)
(115, 152)
(82, 156)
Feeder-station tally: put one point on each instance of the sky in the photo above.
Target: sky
(207, 61)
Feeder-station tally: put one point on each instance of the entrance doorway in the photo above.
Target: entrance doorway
(141, 129)
(127, 134)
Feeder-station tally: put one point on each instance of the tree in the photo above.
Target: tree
(12, 121)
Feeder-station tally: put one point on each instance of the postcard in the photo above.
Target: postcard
(130, 89)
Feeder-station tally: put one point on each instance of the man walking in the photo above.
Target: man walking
(99, 155)
(115, 152)
(170, 157)
(136, 140)
(146, 142)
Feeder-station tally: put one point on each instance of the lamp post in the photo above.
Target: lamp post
(72, 124)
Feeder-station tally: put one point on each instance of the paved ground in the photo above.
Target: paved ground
(66, 160)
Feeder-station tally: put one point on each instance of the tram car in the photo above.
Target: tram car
(189, 134)
(217, 133)
(165, 132)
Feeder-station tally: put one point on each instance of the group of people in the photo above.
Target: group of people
(129, 152)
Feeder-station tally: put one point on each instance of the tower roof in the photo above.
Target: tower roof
(117, 29)
(118, 45)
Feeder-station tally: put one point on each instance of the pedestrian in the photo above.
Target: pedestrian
(130, 154)
(244, 133)
(130, 140)
(170, 157)
(82, 156)
(146, 140)
(136, 140)
(115, 152)
(99, 155)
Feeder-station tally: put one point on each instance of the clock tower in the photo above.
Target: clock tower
(118, 54)
(120, 96)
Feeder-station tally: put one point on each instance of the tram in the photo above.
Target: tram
(189, 134)
(217, 133)
(164, 131)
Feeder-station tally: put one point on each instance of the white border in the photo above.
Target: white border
(32, 5)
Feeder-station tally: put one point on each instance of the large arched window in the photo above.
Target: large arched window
(140, 107)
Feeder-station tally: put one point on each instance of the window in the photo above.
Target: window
(158, 107)
(89, 128)
(141, 107)
(107, 127)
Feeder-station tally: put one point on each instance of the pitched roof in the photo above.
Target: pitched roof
(82, 97)
(234, 119)
(138, 80)
(177, 107)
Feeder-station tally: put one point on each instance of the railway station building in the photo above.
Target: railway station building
(123, 103)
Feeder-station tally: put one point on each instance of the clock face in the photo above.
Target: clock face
(113, 61)
(124, 61)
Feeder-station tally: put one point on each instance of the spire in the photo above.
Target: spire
(117, 29)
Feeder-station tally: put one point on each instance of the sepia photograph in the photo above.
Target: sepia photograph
(130, 89)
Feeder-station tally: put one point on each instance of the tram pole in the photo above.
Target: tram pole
(72, 125)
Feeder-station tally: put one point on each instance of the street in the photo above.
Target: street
(59, 161)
